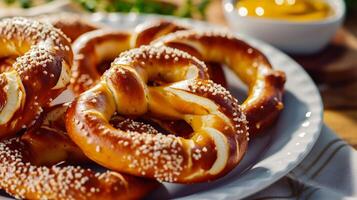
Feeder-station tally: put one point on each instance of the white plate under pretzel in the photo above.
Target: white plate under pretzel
(269, 157)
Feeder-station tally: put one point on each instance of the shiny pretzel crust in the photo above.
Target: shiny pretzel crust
(40, 72)
(96, 47)
(23, 180)
(266, 85)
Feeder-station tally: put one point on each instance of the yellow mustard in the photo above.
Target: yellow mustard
(291, 10)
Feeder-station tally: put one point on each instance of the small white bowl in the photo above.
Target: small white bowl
(292, 37)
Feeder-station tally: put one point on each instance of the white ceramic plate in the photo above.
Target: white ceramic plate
(270, 157)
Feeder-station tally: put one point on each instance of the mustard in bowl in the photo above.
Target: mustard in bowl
(295, 26)
(290, 10)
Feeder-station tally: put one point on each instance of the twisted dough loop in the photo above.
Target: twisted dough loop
(23, 171)
(266, 85)
(40, 72)
(180, 91)
(97, 48)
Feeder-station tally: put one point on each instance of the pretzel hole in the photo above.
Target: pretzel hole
(3, 95)
(6, 63)
(179, 128)
(103, 66)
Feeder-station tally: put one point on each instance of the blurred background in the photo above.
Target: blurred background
(181, 8)
(334, 69)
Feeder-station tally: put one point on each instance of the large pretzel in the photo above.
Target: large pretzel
(266, 85)
(35, 166)
(97, 48)
(179, 90)
(39, 74)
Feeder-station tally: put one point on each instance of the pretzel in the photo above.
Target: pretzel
(41, 71)
(163, 83)
(23, 180)
(97, 48)
(73, 25)
(265, 85)
(35, 166)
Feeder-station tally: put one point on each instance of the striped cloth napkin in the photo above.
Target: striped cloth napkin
(328, 172)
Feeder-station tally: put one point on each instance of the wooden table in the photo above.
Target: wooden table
(335, 72)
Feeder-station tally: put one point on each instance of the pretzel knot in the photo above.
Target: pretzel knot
(165, 84)
(265, 84)
(41, 71)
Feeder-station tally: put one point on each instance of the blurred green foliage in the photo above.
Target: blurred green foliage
(189, 8)
(22, 3)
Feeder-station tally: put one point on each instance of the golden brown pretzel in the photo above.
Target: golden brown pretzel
(35, 166)
(39, 74)
(94, 50)
(179, 90)
(73, 25)
(266, 85)
(23, 180)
